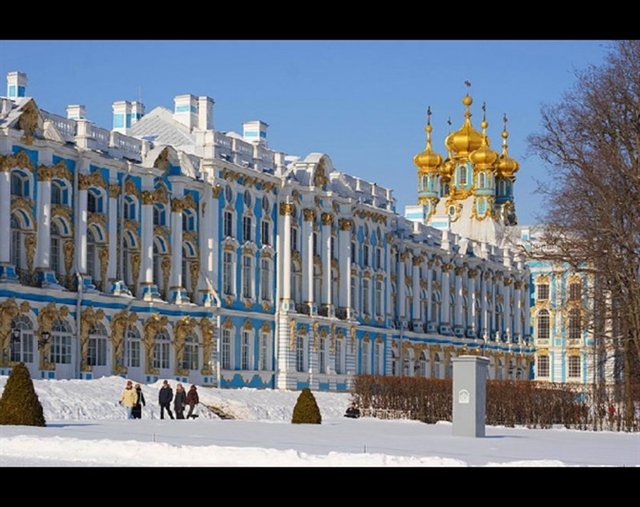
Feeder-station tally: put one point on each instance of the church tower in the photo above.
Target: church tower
(471, 191)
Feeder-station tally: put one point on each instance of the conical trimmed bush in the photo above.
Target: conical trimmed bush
(306, 410)
(19, 403)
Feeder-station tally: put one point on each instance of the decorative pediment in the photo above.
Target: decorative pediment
(30, 122)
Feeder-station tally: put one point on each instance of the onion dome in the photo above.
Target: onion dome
(428, 160)
(484, 157)
(467, 139)
(506, 166)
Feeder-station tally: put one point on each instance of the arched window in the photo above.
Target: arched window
(339, 356)
(228, 194)
(575, 327)
(462, 175)
(188, 220)
(22, 342)
(543, 325)
(16, 242)
(300, 354)
(247, 199)
(57, 192)
(482, 180)
(394, 363)
(437, 366)
(265, 280)
(19, 184)
(95, 200)
(423, 365)
(132, 347)
(157, 264)
(161, 350)
(264, 361)
(55, 259)
(97, 353)
(130, 208)
(377, 358)
(129, 251)
(60, 342)
(543, 366)
(265, 234)
(573, 367)
(190, 353)
(159, 214)
(435, 308)
(499, 369)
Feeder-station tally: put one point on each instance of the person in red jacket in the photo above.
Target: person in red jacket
(192, 401)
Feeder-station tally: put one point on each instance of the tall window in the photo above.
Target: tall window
(338, 357)
(573, 367)
(575, 291)
(543, 366)
(543, 325)
(247, 278)
(132, 347)
(332, 247)
(365, 358)
(574, 324)
(378, 258)
(91, 254)
(227, 273)
(97, 353)
(19, 184)
(16, 242)
(57, 193)
(60, 343)
(463, 175)
(157, 265)
(190, 353)
(265, 280)
(159, 216)
(365, 255)
(56, 245)
(482, 180)
(264, 362)
(228, 224)
(378, 299)
(265, 237)
(437, 373)
(129, 208)
(377, 349)
(353, 291)
(226, 359)
(94, 201)
(354, 252)
(161, 350)
(317, 283)
(245, 351)
(296, 282)
(300, 354)
(423, 365)
(322, 355)
(188, 220)
(294, 238)
(316, 247)
(543, 292)
(246, 229)
(365, 296)
(22, 348)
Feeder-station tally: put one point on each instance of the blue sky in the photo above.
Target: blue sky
(361, 102)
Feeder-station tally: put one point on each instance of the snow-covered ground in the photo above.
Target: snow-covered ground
(86, 427)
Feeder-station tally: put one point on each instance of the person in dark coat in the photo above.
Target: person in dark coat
(353, 411)
(192, 401)
(180, 401)
(137, 408)
(164, 398)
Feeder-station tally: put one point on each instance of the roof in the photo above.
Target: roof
(160, 124)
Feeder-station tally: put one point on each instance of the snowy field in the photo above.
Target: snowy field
(86, 427)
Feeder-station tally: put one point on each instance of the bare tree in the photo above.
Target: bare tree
(591, 141)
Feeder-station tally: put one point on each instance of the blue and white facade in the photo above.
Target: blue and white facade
(163, 248)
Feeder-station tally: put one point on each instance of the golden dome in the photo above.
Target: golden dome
(484, 157)
(467, 139)
(428, 160)
(447, 167)
(506, 166)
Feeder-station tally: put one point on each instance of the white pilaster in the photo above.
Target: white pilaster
(306, 244)
(388, 313)
(517, 321)
(146, 271)
(415, 279)
(5, 215)
(112, 267)
(286, 209)
(81, 225)
(175, 279)
(344, 262)
(471, 308)
(43, 247)
(446, 305)
(402, 314)
(327, 220)
(458, 295)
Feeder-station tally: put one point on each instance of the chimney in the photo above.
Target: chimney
(255, 132)
(205, 113)
(186, 110)
(137, 111)
(16, 85)
(76, 112)
(121, 116)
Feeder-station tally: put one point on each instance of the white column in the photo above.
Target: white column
(175, 278)
(344, 262)
(112, 268)
(401, 288)
(445, 305)
(415, 279)
(427, 316)
(457, 320)
(43, 246)
(327, 220)
(471, 309)
(388, 313)
(5, 214)
(306, 247)
(81, 225)
(209, 232)
(146, 271)
(485, 278)
(286, 208)
(506, 294)
(527, 313)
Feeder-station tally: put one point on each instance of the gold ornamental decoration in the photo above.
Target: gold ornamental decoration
(162, 162)
(28, 121)
(104, 263)
(30, 245)
(286, 208)
(345, 224)
(177, 205)
(194, 267)
(130, 188)
(309, 214)
(114, 190)
(327, 219)
(135, 267)
(120, 322)
(166, 270)
(147, 197)
(152, 326)
(89, 318)
(60, 210)
(207, 329)
(45, 173)
(46, 317)
(183, 328)
(9, 310)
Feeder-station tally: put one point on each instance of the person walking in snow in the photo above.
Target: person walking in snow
(192, 401)
(180, 401)
(164, 398)
(137, 408)
(128, 398)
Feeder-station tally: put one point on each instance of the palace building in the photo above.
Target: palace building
(164, 248)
